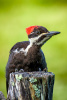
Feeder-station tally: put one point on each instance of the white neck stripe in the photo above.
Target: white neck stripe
(32, 40)
(23, 50)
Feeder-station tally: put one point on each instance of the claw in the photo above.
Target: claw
(21, 70)
(45, 69)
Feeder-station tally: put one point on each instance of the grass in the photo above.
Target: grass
(15, 19)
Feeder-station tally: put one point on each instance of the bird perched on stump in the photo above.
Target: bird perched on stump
(28, 55)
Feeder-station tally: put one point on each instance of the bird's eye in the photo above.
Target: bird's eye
(37, 32)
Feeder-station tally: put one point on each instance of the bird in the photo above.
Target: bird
(27, 55)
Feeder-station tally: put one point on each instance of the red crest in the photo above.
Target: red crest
(30, 29)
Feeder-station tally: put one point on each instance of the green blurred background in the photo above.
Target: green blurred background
(16, 15)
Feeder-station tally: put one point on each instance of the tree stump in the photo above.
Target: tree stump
(31, 86)
(2, 96)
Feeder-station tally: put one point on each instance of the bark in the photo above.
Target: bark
(2, 96)
(31, 86)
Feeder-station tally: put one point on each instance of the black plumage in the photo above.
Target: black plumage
(28, 55)
(34, 60)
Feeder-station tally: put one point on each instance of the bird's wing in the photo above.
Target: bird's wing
(20, 45)
(43, 61)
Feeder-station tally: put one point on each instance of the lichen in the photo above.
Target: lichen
(13, 83)
(18, 77)
(35, 87)
(32, 80)
(37, 93)
(37, 90)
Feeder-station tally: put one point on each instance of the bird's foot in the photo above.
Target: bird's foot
(45, 69)
(39, 69)
(21, 70)
(16, 70)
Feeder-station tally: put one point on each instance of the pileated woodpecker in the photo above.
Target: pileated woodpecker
(28, 55)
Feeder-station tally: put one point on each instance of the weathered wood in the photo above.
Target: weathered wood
(31, 86)
(2, 96)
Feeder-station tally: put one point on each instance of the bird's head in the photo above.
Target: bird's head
(39, 34)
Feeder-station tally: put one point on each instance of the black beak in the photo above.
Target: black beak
(52, 33)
